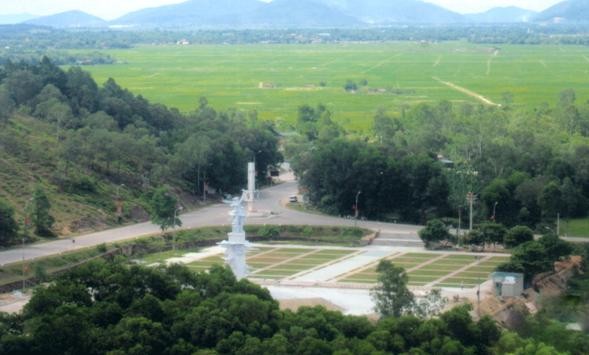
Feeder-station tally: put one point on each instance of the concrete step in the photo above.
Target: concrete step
(399, 243)
(393, 239)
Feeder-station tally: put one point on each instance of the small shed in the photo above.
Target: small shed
(508, 284)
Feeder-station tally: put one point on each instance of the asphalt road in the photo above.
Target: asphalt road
(270, 205)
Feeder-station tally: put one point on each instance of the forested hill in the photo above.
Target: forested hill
(84, 144)
(105, 308)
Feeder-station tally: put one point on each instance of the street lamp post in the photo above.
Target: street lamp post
(119, 204)
(27, 223)
(494, 210)
(470, 197)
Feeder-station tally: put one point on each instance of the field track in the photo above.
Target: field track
(467, 92)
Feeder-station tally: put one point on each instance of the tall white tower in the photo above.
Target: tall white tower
(251, 186)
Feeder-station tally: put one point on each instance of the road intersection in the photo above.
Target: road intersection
(272, 203)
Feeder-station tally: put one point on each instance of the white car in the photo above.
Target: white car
(293, 199)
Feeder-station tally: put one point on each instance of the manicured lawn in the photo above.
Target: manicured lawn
(279, 262)
(575, 228)
(440, 266)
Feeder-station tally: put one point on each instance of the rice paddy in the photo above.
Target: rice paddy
(274, 80)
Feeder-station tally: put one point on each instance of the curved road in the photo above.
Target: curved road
(271, 202)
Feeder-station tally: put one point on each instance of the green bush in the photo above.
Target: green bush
(518, 235)
(269, 232)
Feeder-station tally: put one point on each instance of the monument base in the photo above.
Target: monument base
(235, 256)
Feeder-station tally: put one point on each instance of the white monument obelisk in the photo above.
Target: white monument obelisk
(251, 186)
(236, 246)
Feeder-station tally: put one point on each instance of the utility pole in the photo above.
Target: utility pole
(27, 223)
(356, 212)
(470, 197)
(479, 299)
(119, 204)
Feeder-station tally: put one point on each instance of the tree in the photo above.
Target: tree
(537, 256)
(163, 209)
(493, 233)
(435, 231)
(8, 226)
(351, 86)
(431, 305)
(518, 235)
(23, 85)
(391, 295)
(550, 200)
(41, 218)
(191, 160)
(6, 104)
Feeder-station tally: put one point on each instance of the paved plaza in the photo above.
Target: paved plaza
(344, 276)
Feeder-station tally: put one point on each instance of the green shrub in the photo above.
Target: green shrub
(518, 235)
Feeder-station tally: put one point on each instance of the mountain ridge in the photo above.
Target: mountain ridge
(242, 14)
(508, 14)
(576, 11)
(69, 19)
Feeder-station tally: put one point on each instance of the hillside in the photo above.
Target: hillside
(69, 19)
(571, 11)
(85, 145)
(509, 14)
(28, 158)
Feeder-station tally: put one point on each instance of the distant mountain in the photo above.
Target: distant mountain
(302, 13)
(398, 11)
(12, 19)
(69, 19)
(566, 11)
(288, 13)
(195, 13)
(509, 14)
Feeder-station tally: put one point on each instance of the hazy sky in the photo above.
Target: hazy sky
(110, 9)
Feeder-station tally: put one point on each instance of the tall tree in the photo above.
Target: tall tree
(163, 209)
(8, 226)
(391, 295)
(41, 218)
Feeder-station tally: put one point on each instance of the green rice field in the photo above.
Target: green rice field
(275, 80)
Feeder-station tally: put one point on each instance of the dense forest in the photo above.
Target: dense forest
(118, 309)
(86, 141)
(525, 167)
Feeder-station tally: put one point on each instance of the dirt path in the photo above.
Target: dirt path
(465, 91)
(381, 63)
